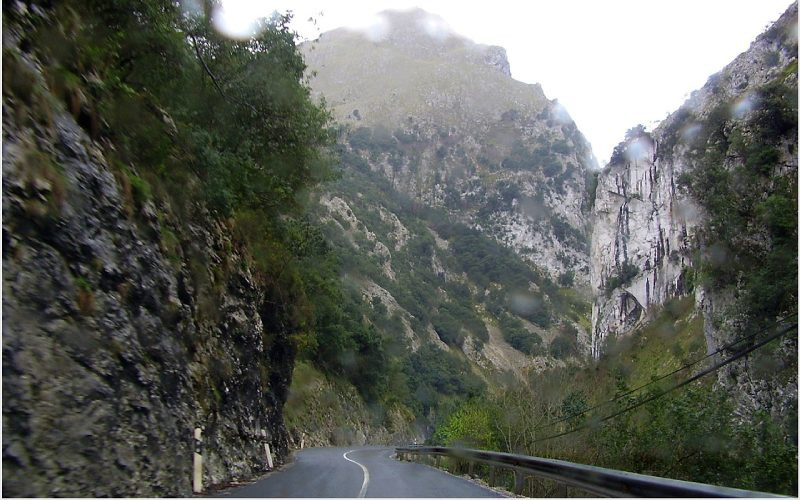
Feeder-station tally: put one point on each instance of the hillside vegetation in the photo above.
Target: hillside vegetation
(692, 433)
(369, 241)
(694, 249)
(429, 289)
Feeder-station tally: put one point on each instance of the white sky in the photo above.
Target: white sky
(611, 63)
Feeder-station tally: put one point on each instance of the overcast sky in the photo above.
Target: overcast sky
(611, 63)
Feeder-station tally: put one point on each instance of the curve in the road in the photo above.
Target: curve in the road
(321, 472)
(366, 475)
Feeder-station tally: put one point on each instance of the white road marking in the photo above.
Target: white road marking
(366, 474)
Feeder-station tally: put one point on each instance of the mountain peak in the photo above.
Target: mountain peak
(422, 34)
(416, 23)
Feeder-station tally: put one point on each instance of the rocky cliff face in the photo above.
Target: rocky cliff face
(641, 239)
(456, 131)
(694, 209)
(124, 328)
(645, 225)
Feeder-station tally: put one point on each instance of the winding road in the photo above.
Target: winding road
(357, 472)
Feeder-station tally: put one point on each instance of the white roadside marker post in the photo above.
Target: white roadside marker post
(266, 449)
(197, 485)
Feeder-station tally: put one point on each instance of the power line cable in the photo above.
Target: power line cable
(677, 386)
(662, 377)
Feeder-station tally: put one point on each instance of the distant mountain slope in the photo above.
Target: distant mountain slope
(455, 310)
(459, 220)
(450, 128)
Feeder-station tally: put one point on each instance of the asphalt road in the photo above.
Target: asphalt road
(357, 472)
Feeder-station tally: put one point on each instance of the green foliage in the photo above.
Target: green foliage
(562, 347)
(574, 406)
(448, 329)
(544, 159)
(360, 138)
(619, 155)
(337, 337)
(518, 336)
(433, 373)
(533, 307)
(691, 433)
(567, 279)
(748, 200)
(591, 187)
(466, 317)
(486, 261)
(689, 279)
(171, 245)
(141, 189)
(564, 232)
(470, 426)
(85, 296)
(83, 284)
(624, 276)
(174, 93)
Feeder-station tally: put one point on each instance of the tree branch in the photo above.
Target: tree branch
(214, 78)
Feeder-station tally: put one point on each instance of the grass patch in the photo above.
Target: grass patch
(171, 246)
(85, 297)
(45, 183)
(670, 340)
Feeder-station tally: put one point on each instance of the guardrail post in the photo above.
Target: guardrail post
(492, 475)
(197, 479)
(519, 481)
(471, 468)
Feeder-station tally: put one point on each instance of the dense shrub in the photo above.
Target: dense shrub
(518, 336)
(471, 426)
(563, 346)
(624, 276)
(433, 372)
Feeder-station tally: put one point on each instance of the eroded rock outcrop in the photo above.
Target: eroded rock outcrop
(641, 244)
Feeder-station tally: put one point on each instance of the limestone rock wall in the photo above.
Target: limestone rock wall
(113, 349)
(644, 225)
(641, 240)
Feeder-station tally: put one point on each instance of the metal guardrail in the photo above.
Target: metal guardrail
(597, 480)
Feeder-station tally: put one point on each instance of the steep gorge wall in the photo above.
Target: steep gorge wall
(644, 223)
(641, 243)
(654, 240)
(125, 326)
